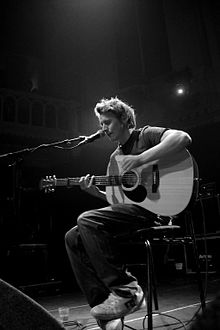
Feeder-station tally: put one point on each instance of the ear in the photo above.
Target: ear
(124, 119)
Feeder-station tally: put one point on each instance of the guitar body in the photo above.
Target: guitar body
(163, 187)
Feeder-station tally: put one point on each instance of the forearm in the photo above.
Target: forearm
(95, 191)
(101, 194)
(172, 143)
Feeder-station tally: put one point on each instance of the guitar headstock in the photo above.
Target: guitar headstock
(48, 184)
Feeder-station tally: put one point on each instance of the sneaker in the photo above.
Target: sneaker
(116, 307)
(116, 324)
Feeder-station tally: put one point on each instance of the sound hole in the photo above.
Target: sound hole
(137, 195)
(129, 179)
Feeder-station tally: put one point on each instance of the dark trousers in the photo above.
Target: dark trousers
(94, 251)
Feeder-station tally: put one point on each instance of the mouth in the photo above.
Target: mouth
(112, 137)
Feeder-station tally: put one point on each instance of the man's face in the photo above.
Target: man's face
(112, 126)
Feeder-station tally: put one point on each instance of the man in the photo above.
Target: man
(92, 248)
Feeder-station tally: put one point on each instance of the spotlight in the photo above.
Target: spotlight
(180, 89)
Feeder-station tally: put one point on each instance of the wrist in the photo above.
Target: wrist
(140, 160)
(97, 191)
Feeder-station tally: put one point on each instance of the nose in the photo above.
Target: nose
(104, 128)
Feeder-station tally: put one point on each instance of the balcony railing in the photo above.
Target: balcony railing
(34, 115)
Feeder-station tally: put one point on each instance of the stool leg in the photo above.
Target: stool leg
(154, 284)
(150, 276)
(196, 257)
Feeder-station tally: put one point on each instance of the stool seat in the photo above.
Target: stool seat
(149, 232)
(33, 246)
(156, 230)
(33, 263)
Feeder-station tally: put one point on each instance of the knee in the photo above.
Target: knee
(84, 219)
(71, 237)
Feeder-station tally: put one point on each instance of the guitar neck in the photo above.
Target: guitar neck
(97, 180)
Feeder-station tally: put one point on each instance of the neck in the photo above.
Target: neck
(124, 138)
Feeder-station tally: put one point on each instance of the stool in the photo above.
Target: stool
(167, 234)
(29, 262)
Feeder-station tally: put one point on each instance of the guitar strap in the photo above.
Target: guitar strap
(127, 147)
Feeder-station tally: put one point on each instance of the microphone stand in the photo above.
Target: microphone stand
(19, 153)
(15, 158)
(14, 161)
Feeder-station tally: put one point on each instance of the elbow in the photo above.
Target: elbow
(179, 138)
(186, 139)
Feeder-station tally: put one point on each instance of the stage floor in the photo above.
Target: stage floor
(178, 300)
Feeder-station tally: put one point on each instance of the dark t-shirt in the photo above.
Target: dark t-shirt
(140, 140)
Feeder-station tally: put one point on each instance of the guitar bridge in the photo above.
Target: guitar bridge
(155, 178)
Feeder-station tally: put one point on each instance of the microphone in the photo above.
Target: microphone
(87, 139)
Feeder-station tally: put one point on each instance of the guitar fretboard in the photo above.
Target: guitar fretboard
(111, 180)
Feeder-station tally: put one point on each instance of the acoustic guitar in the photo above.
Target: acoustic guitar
(164, 187)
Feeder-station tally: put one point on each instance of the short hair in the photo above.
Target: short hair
(118, 108)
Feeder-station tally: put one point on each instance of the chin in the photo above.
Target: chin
(113, 139)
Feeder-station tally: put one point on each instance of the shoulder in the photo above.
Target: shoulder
(152, 129)
(152, 134)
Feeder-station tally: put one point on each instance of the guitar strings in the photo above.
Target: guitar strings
(112, 179)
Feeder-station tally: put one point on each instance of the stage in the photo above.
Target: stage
(178, 302)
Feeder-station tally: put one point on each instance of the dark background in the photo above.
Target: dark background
(57, 59)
